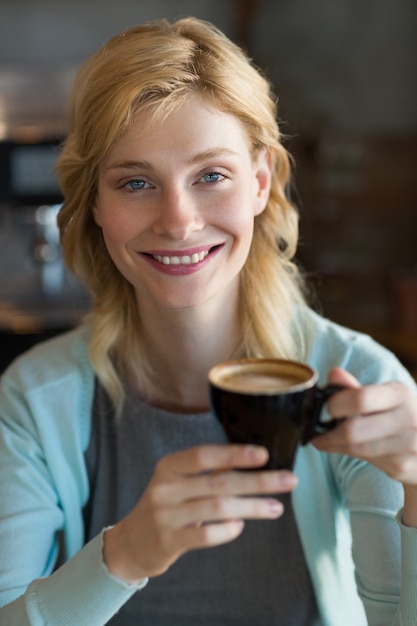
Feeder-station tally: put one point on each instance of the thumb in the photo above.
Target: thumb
(339, 376)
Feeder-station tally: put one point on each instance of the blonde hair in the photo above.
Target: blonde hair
(156, 66)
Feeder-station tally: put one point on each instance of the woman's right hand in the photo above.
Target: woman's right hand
(196, 498)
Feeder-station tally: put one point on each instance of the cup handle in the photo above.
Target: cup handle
(316, 426)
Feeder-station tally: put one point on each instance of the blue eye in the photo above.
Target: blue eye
(212, 177)
(137, 184)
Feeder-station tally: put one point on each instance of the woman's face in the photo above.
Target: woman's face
(176, 204)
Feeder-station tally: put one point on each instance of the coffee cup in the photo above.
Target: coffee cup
(270, 402)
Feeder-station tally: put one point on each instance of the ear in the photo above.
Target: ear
(263, 174)
(96, 214)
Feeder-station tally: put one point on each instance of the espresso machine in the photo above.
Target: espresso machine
(38, 296)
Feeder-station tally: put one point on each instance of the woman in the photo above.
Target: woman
(120, 501)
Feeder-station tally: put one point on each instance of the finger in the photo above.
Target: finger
(336, 405)
(364, 429)
(339, 376)
(209, 535)
(213, 457)
(400, 444)
(219, 509)
(394, 423)
(351, 434)
(387, 397)
(174, 543)
(371, 399)
(396, 456)
(370, 438)
(235, 483)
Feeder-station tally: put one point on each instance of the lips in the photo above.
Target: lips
(185, 258)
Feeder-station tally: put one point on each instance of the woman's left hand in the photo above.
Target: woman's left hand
(382, 428)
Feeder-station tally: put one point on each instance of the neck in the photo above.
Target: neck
(182, 346)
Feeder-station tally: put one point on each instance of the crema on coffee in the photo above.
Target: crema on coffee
(260, 376)
(253, 382)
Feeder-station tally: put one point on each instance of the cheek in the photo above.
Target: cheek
(116, 240)
(240, 219)
(240, 226)
(114, 225)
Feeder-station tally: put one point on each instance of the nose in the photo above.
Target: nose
(178, 216)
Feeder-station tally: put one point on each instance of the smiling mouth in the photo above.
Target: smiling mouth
(186, 259)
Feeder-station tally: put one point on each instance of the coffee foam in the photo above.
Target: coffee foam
(261, 377)
(258, 381)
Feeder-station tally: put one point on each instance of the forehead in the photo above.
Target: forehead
(191, 125)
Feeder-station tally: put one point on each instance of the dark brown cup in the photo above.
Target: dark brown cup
(270, 402)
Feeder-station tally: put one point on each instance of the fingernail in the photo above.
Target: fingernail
(275, 507)
(257, 453)
(288, 480)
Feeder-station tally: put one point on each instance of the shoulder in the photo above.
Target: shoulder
(328, 345)
(51, 386)
(51, 360)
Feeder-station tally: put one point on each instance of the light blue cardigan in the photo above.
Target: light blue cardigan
(45, 417)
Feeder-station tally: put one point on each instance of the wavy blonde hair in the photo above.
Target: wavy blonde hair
(156, 66)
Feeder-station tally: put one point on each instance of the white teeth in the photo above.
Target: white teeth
(181, 260)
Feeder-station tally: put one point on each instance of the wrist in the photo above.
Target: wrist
(114, 556)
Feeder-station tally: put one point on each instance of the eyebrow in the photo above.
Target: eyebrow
(210, 154)
(194, 160)
(129, 165)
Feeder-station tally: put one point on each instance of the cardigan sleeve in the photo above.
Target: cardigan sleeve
(372, 501)
(41, 494)
(409, 575)
(384, 551)
(80, 592)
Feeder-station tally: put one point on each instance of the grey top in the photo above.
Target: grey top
(260, 578)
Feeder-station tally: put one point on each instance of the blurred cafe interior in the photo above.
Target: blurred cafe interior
(346, 77)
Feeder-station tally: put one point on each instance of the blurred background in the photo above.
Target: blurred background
(345, 72)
